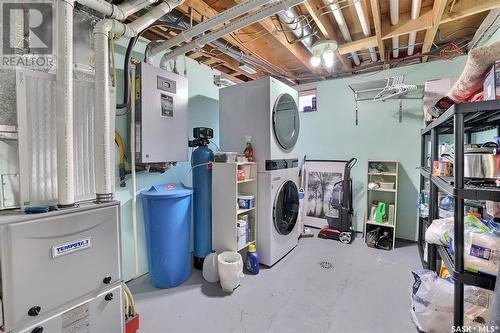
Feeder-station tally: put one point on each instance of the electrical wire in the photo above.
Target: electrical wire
(440, 38)
(126, 65)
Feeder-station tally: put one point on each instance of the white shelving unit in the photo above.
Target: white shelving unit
(388, 196)
(225, 210)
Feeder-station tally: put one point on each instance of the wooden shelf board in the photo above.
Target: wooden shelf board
(382, 190)
(380, 224)
(243, 211)
(382, 174)
(246, 181)
(245, 246)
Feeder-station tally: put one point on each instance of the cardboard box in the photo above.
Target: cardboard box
(491, 83)
(434, 90)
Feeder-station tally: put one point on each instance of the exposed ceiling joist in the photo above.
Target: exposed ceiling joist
(325, 27)
(358, 45)
(464, 8)
(425, 22)
(231, 63)
(254, 47)
(437, 13)
(407, 25)
(377, 21)
(295, 48)
(231, 78)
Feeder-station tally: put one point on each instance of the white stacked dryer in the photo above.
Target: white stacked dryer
(267, 110)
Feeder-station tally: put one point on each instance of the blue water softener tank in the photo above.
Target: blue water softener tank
(202, 193)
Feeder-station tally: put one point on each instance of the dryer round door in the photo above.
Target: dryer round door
(286, 208)
(286, 122)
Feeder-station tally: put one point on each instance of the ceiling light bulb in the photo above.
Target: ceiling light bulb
(315, 61)
(328, 58)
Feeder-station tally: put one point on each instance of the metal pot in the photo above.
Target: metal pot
(482, 162)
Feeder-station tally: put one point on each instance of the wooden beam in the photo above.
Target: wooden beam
(254, 47)
(358, 45)
(230, 63)
(407, 25)
(297, 49)
(425, 21)
(326, 27)
(467, 8)
(231, 77)
(211, 61)
(437, 14)
(377, 21)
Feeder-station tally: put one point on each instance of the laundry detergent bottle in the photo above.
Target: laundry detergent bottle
(252, 264)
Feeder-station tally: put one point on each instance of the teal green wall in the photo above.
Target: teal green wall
(330, 133)
(203, 110)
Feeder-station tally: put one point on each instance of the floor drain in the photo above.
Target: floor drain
(326, 265)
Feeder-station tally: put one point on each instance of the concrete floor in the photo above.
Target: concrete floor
(366, 290)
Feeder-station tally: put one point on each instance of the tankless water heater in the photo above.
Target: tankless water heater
(161, 115)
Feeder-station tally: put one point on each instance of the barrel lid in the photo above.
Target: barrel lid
(168, 190)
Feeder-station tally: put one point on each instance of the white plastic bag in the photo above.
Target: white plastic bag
(439, 231)
(432, 303)
(211, 268)
(230, 270)
(481, 245)
(482, 253)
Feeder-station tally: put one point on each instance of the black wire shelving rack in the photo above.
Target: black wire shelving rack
(461, 121)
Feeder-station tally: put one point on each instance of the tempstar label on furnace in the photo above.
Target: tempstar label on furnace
(67, 248)
(161, 115)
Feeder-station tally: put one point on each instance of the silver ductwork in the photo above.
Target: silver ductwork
(298, 27)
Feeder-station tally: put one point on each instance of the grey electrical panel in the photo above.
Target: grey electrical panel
(161, 130)
(62, 264)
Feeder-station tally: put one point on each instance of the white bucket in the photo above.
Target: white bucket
(230, 270)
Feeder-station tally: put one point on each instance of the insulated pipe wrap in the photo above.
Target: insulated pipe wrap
(247, 20)
(64, 105)
(208, 24)
(102, 142)
(344, 30)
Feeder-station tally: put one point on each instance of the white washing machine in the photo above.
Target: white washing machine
(267, 110)
(278, 209)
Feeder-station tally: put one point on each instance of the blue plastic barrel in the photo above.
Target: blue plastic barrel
(167, 220)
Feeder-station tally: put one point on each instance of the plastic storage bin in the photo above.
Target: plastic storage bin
(167, 219)
(245, 201)
(386, 186)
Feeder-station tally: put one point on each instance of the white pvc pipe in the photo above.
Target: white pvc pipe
(266, 11)
(132, 169)
(207, 25)
(132, 7)
(146, 20)
(119, 12)
(415, 13)
(64, 92)
(102, 142)
(344, 30)
(64, 105)
(364, 26)
(394, 12)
